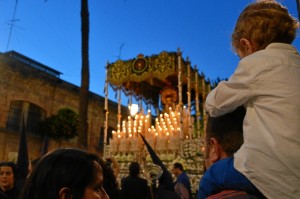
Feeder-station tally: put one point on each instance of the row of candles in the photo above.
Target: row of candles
(169, 127)
(165, 134)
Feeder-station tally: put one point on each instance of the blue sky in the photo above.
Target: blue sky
(49, 32)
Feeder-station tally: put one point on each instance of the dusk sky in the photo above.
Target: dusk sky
(49, 32)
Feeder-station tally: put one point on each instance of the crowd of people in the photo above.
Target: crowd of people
(55, 176)
(67, 173)
(252, 141)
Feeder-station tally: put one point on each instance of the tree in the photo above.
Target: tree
(62, 126)
(85, 76)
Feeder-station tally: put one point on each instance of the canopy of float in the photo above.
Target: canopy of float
(146, 76)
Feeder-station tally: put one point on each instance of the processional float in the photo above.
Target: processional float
(173, 93)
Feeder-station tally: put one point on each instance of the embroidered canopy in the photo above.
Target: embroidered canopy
(147, 76)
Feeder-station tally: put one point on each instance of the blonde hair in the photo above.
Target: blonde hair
(262, 23)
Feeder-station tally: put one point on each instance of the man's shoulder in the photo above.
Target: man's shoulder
(183, 176)
(131, 178)
(125, 178)
(143, 180)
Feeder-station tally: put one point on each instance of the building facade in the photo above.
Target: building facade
(35, 91)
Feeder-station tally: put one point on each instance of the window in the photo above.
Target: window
(32, 112)
(14, 115)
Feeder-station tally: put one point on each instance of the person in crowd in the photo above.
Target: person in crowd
(7, 180)
(165, 188)
(134, 186)
(114, 165)
(182, 184)
(161, 191)
(33, 163)
(111, 171)
(266, 82)
(223, 137)
(66, 173)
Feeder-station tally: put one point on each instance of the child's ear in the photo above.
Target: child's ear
(248, 48)
(65, 193)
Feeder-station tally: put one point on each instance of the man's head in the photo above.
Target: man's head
(134, 168)
(223, 136)
(177, 169)
(7, 174)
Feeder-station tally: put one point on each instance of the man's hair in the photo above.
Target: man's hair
(178, 165)
(9, 164)
(227, 129)
(263, 23)
(134, 168)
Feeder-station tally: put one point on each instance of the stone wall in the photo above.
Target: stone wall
(20, 81)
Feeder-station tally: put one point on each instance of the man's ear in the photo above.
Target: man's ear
(248, 48)
(215, 150)
(65, 193)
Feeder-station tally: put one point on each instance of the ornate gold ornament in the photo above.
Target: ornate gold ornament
(139, 65)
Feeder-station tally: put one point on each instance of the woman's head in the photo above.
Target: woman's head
(64, 174)
(263, 23)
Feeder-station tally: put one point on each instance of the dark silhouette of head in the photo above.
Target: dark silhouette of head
(178, 165)
(134, 169)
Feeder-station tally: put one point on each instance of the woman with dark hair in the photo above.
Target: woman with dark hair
(66, 174)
